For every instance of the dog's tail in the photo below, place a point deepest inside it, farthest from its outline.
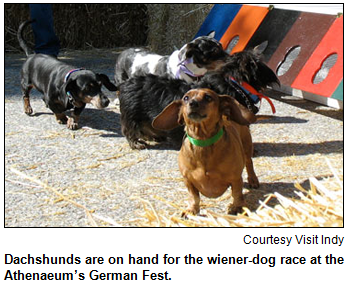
(20, 38)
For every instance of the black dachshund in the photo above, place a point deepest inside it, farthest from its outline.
(64, 87)
(142, 98)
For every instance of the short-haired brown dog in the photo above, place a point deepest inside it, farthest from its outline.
(217, 147)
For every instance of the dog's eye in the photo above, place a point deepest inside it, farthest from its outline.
(208, 98)
(186, 98)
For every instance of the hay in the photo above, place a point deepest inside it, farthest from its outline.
(320, 206)
(173, 25)
(92, 25)
(56, 192)
(163, 27)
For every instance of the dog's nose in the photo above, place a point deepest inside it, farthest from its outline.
(105, 101)
(194, 104)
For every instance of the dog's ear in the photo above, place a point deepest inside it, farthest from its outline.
(211, 34)
(259, 49)
(68, 90)
(69, 86)
(106, 82)
(236, 112)
(169, 118)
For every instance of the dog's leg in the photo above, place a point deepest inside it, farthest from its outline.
(248, 152)
(131, 132)
(26, 100)
(194, 199)
(252, 178)
(72, 123)
(61, 118)
(133, 141)
(238, 198)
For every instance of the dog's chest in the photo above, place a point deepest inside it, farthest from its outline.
(211, 176)
(210, 183)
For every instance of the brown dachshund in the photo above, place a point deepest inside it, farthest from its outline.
(217, 147)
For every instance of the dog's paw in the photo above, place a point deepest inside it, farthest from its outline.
(27, 107)
(234, 210)
(71, 124)
(28, 110)
(185, 214)
(189, 211)
(253, 182)
(138, 144)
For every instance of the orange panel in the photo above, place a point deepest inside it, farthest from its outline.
(244, 26)
(332, 43)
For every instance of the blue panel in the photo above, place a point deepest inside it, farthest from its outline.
(218, 20)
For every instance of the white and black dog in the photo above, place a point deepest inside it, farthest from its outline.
(189, 63)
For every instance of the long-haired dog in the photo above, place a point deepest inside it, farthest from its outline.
(244, 77)
(189, 63)
(217, 147)
(64, 87)
(143, 98)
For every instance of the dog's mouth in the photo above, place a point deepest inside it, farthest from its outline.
(191, 69)
(196, 116)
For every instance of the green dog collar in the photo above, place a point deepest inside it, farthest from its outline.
(207, 142)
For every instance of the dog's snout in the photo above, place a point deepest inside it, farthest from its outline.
(100, 101)
(195, 110)
(105, 101)
(193, 104)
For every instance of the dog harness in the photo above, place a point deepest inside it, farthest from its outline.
(253, 94)
(207, 142)
(70, 72)
(183, 69)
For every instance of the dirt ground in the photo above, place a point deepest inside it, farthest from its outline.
(56, 177)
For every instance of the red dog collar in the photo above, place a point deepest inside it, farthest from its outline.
(252, 90)
(70, 72)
